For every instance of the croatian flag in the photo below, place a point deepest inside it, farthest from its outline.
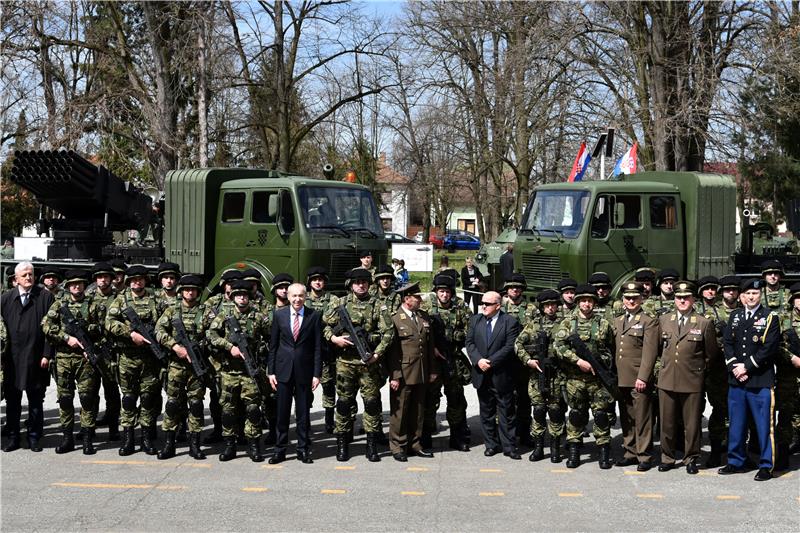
(627, 163)
(581, 163)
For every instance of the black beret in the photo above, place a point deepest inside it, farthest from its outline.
(359, 273)
(102, 268)
(364, 253)
(795, 290)
(752, 283)
(600, 279)
(119, 265)
(668, 273)
(443, 281)
(384, 271)
(772, 265)
(567, 283)
(316, 271)
(190, 280)
(729, 282)
(229, 275)
(168, 268)
(548, 296)
(251, 274)
(644, 274)
(281, 279)
(51, 272)
(136, 271)
(240, 286)
(515, 280)
(705, 281)
(585, 289)
(73, 275)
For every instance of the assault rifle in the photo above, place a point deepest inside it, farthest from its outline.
(538, 350)
(238, 337)
(358, 335)
(146, 331)
(76, 328)
(606, 374)
(200, 366)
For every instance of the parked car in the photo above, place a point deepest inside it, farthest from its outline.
(395, 238)
(461, 242)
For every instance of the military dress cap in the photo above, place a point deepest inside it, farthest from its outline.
(685, 288)
(188, 281)
(668, 273)
(585, 290)
(516, 280)
(795, 290)
(632, 289)
(359, 273)
(707, 281)
(384, 271)
(752, 284)
(240, 286)
(251, 274)
(772, 265)
(316, 272)
(281, 279)
(548, 296)
(51, 272)
(409, 289)
(136, 271)
(567, 283)
(644, 274)
(600, 279)
(168, 268)
(365, 253)
(729, 282)
(102, 268)
(75, 275)
(119, 266)
(443, 281)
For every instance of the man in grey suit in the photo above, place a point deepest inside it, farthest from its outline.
(490, 347)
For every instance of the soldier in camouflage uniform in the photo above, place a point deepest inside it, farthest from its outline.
(516, 305)
(100, 299)
(73, 368)
(351, 373)
(787, 380)
(256, 295)
(663, 302)
(365, 257)
(602, 282)
(567, 289)
(139, 370)
(773, 295)
(450, 317)
(544, 403)
(182, 384)
(167, 277)
(118, 281)
(280, 287)
(211, 308)
(236, 384)
(382, 290)
(584, 389)
(321, 300)
(50, 280)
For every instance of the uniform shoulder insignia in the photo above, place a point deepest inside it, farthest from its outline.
(561, 334)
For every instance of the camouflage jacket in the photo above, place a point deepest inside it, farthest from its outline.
(523, 311)
(789, 321)
(387, 302)
(98, 307)
(455, 319)
(321, 303)
(254, 325)
(148, 309)
(364, 313)
(596, 332)
(531, 331)
(193, 321)
(655, 306)
(777, 300)
(53, 325)
(213, 306)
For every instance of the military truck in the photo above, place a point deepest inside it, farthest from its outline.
(209, 219)
(683, 220)
(488, 257)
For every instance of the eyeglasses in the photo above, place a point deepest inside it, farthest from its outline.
(489, 303)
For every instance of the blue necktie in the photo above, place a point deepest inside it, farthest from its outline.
(488, 331)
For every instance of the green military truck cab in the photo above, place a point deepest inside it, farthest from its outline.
(682, 220)
(271, 221)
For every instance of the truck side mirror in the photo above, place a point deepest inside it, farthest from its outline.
(619, 215)
(272, 207)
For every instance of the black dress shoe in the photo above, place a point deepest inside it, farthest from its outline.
(644, 467)
(277, 458)
(400, 456)
(304, 457)
(34, 445)
(626, 461)
(12, 444)
(691, 467)
(730, 469)
(763, 474)
(513, 454)
(423, 453)
(666, 467)
(489, 452)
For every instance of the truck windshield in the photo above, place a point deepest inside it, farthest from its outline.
(339, 209)
(557, 212)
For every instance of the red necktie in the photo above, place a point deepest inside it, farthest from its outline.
(296, 326)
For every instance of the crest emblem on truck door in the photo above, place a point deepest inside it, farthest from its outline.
(262, 237)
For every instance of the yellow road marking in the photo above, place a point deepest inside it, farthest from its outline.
(570, 494)
(255, 489)
(344, 468)
(491, 494)
(650, 496)
(491, 470)
(332, 491)
(561, 471)
(412, 493)
(786, 474)
(416, 469)
(118, 486)
(633, 473)
(707, 474)
(146, 463)
(728, 497)
(272, 467)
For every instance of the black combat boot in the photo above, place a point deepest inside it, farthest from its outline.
(605, 457)
(216, 434)
(458, 439)
(230, 449)
(194, 446)
(372, 448)
(382, 439)
(342, 447)
(555, 449)
(149, 440)
(781, 458)
(794, 447)
(67, 443)
(168, 451)
(113, 427)
(349, 436)
(426, 441)
(128, 446)
(574, 458)
(254, 450)
(329, 420)
(538, 449)
(181, 436)
(715, 456)
(88, 442)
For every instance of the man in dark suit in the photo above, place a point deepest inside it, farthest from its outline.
(506, 265)
(294, 367)
(490, 347)
(25, 363)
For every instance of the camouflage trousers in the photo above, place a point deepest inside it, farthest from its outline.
(584, 393)
(350, 377)
(456, 402)
(139, 380)
(787, 403)
(239, 387)
(328, 383)
(548, 411)
(716, 385)
(182, 387)
(72, 370)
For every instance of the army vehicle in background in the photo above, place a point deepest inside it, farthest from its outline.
(209, 219)
(488, 258)
(682, 220)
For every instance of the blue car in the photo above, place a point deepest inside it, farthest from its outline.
(461, 242)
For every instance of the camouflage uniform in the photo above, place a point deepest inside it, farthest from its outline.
(584, 390)
(328, 379)
(457, 373)
(777, 300)
(716, 378)
(524, 312)
(98, 307)
(787, 381)
(388, 302)
(212, 307)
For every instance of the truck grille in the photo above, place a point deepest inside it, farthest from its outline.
(541, 270)
(340, 264)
